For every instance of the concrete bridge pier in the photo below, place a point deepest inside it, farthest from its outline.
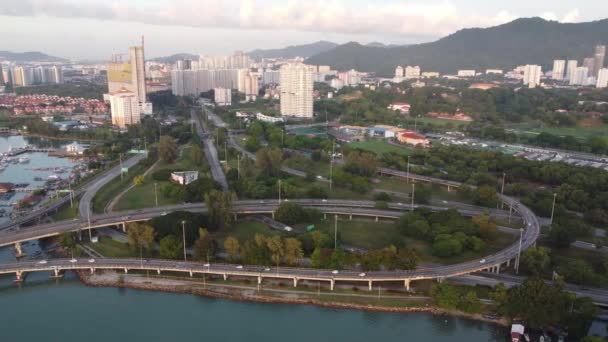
(440, 280)
(376, 218)
(449, 188)
(225, 276)
(158, 271)
(92, 270)
(126, 270)
(332, 283)
(191, 274)
(295, 282)
(350, 217)
(369, 285)
(56, 274)
(325, 216)
(19, 251)
(508, 262)
(406, 283)
(124, 227)
(19, 276)
(259, 280)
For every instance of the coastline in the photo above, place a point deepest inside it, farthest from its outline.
(156, 285)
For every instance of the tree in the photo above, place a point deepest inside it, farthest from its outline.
(486, 196)
(170, 247)
(268, 162)
(141, 236)
(204, 246)
(167, 149)
(487, 228)
(445, 296)
(561, 236)
(422, 194)
(138, 180)
(232, 246)
(293, 251)
(219, 205)
(197, 155)
(500, 297)
(67, 240)
(290, 213)
(276, 248)
(536, 260)
(470, 303)
(321, 239)
(537, 303)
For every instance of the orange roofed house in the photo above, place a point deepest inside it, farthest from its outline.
(412, 138)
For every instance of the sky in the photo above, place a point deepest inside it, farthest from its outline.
(96, 29)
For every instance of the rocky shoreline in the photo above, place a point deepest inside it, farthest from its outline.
(156, 284)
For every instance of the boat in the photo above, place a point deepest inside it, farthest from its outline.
(54, 177)
(24, 160)
(517, 331)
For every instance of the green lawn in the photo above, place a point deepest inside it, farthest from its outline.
(438, 122)
(67, 212)
(245, 230)
(107, 192)
(112, 249)
(577, 131)
(380, 147)
(359, 233)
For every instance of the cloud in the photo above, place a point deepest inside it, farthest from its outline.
(330, 16)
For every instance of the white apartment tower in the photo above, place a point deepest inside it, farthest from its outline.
(125, 108)
(602, 78)
(223, 96)
(412, 72)
(252, 87)
(138, 71)
(579, 76)
(297, 90)
(570, 69)
(399, 71)
(559, 67)
(532, 75)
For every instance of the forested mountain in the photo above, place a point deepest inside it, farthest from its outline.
(523, 41)
(176, 57)
(305, 50)
(29, 56)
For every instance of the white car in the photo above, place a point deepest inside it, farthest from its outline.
(362, 274)
(319, 177)
(91, 261)
(240, 267)
(288, 229)
(324, 200)
(482, 261)
(267, 269)
(335, 271)
(206, 265)
(43, 262)
(73, 260)
(126, 217)
(164, 213)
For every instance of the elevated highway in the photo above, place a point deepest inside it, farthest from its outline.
(210, 152)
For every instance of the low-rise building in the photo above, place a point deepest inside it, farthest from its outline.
(185, 177)
(401, 107)
(412, 138)
(267, 118)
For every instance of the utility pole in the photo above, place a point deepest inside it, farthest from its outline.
(413, 193)
(184, 238)
(407, 178)
(521, 235)
(120, 158)
(89, 219)
(416, 123)
(335, 232)
(155, 195)
(238, 167)
(553, 207)
(226, 151)
(279, 192)
(71, 195)
(331, 165)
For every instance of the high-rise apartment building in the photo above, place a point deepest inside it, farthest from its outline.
(1, 75)
(412, 72)
(271, 77)
(570, 68)
(23, 76)
(130, 75)
(602, 78)
(297, 90)
(125, 108)
(532, 75)
(399, 71)
(559, 67)
(222, 96)
(579, 76)
(600, 57)
(589, 63)
(252, 87)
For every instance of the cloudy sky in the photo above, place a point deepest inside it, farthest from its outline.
(95, 29)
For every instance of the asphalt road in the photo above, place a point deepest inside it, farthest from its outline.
(210, 152)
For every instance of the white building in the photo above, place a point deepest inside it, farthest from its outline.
(271, 77)
(494, 71)
(602, 78)
(532, 75)
(430, 74)
(350, 78)
(297, 90)
(559, 67)
(185, 177)
(570, 69)
(336, 83)
(466, 73)
(223, 96)
(252, 87)
(266, 118)
(412, 72)
(399, 72)
(579, 76)
(125, 108)
(323, 69)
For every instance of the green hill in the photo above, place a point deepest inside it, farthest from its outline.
(523, 41)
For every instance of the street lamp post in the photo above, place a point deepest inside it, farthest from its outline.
(331, 165)
(553, 207)
(407, 178)
(521, 236)
(413, 193)
(184, 238)
(335, 232)
(120, 158)
(279, 191)
(502, 190)
(89, 219)
(155, 195)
